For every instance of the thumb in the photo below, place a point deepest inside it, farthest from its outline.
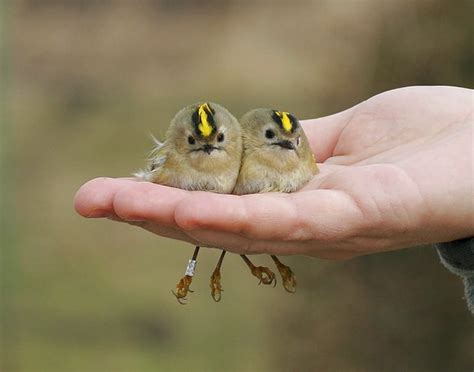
(323, 133)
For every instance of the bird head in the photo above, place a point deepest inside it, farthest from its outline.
(205, 131)
(276, 135)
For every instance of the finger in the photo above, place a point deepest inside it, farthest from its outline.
(166, 232)
(241, 245)
(325, 170)
(128, 200)
(307, 215)
(95, 198)
(141, 201)
(323, 133)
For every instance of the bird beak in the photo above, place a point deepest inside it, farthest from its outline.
(286, 145)
(208, 148)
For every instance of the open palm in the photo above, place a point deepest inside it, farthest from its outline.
(396, 171)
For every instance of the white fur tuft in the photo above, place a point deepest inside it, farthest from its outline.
(142, 175)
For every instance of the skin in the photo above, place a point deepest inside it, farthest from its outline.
(396, 171)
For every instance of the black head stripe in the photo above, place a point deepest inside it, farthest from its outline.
(208, 106)
(294, 122)
(210, 117)
(276, 118)
(195, 118)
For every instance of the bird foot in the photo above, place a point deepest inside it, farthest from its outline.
(288, 278)
(182, 289)
(215, 285)
(264, 274)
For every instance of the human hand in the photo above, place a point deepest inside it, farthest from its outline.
(396, 171)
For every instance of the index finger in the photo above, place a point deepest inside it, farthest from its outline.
(129, 200)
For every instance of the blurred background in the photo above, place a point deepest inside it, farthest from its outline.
(82, 85)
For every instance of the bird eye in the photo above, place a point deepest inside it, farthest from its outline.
(269, 134)
(191, 140)
(220, 137)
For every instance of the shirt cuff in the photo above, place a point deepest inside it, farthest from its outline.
(458, 257)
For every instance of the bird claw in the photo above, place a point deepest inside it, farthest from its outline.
(182, 289)
(288, 278)
(215, 285)
(265, 275)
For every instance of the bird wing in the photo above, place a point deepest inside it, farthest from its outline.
(156, 160)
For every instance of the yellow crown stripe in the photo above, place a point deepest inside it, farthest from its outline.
(285, 120)
(205, 127)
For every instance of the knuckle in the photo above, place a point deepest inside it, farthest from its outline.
(124, 205)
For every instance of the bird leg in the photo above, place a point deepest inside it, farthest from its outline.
(287, 276)
(216, 287)
(264, 274)
(182, 288)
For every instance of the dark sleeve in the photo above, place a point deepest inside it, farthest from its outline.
(458, 257)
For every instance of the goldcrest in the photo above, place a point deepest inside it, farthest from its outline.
(202, 151)
(277, 157)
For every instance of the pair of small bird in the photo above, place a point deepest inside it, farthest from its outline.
(207, 148)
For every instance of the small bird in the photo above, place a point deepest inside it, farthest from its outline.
(276, 158)
(202, 151)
